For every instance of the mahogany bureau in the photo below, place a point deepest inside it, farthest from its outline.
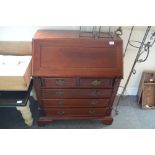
(75, 77)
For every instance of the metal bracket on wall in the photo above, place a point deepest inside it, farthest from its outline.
(143, 48)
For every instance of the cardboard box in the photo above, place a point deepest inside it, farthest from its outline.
(146, 92)
(15, 72)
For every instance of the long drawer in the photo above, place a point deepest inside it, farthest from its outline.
(75, 102)
(61, 112)
(75, 93)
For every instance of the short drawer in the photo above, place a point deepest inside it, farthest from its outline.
(62, 112)
(75, 102)
(58, 82)
(96, 83)
(75, 93)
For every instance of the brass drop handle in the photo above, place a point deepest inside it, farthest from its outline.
(59, 93)
(61, 112)
(61, 102)
(96, 82)
(92, 111)
(96, 93)
(93, 102)
(60, 82)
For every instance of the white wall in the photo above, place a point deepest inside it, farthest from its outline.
(17, 33)
(26, 33)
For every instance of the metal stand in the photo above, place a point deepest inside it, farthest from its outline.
(142, 46)
(97, 32)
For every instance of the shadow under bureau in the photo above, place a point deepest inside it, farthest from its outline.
(75, 77)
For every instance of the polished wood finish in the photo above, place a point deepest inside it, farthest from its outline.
(75, 93)
(96, 83)
(76, 82)
(78, 58)
(75, 78)
(58, 82)
(68, 34)
(75, 102)
(62, 112)
(65, 54)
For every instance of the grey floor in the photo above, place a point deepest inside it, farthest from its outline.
(130, 116)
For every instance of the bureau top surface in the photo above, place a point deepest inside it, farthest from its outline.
(69, 34)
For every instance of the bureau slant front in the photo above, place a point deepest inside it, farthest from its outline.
(76, 77)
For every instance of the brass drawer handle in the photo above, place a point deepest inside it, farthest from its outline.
(61, 112)
(96, 93)
(92, 111)
(61, 102)
(59, 93)
(60, 82)
(93, 102)
(96, 82)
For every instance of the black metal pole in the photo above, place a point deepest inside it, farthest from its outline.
(133, 66)
(128, 41)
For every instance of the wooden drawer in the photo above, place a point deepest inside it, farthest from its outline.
(96, 83)
(62, 112)
(75, 102)
(58, 82)
(75, 93)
